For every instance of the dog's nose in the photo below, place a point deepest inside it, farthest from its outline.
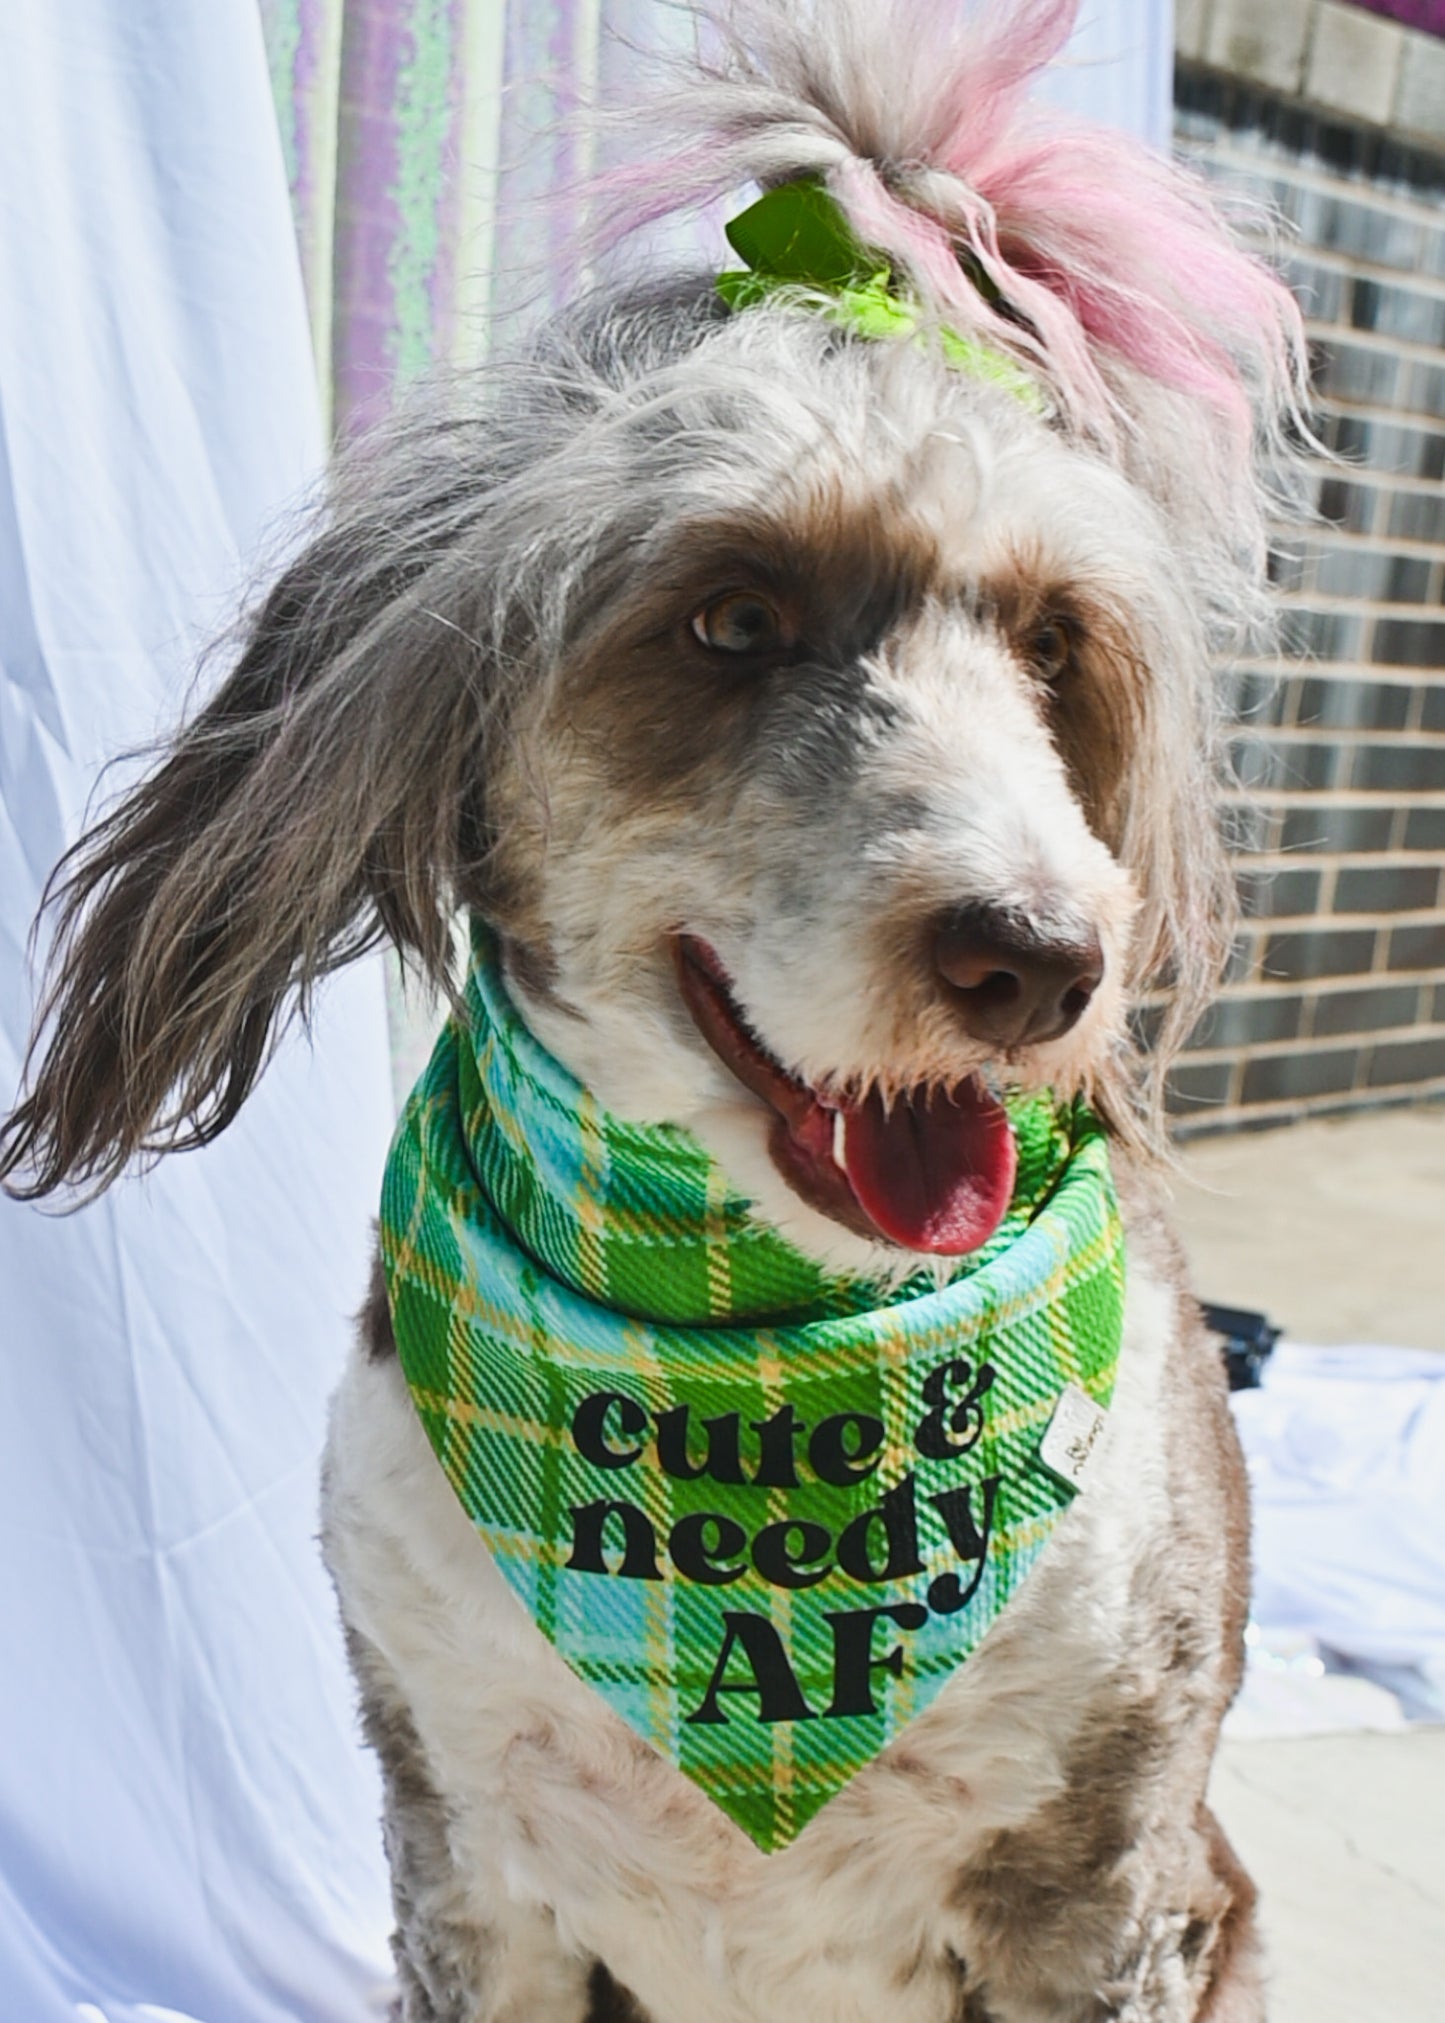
(1014, 985)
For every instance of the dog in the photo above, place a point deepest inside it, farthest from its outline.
(823, 724)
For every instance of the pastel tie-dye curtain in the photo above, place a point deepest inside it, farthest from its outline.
(422, 138)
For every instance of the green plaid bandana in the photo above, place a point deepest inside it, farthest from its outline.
(765, 1513)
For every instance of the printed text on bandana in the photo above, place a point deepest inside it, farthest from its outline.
(889, 1541)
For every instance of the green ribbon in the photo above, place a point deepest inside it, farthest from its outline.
(797, 238)
(764, 1512)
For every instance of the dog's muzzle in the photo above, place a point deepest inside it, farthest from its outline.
(1013, 986)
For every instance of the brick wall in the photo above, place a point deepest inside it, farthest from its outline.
(1426, 14)
(1337, 992)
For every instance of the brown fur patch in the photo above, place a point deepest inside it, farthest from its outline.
(442, 1956)
(663, 716)
(374, 1320)
(1091, 680)
(1070, 1902)
(1234, 1991)
(609, 2003)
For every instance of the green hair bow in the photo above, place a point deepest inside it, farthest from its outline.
(797, 237)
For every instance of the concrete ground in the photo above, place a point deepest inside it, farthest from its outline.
(1336, 1229)
(1345, 1836)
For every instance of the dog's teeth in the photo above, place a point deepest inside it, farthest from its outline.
(840, 1133)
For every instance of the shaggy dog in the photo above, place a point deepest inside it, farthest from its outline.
(818, 723)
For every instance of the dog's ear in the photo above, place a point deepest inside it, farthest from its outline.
(329, 796)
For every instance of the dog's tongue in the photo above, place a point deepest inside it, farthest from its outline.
(934, 1171)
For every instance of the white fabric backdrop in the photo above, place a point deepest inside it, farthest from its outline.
(1119, 67)
(1346, 1451)
(187, 1827)
(186, 1822)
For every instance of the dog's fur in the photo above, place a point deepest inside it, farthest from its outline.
(479, 687)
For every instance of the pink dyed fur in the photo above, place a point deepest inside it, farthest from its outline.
(1096, 245)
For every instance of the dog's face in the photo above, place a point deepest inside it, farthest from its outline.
(827, 734)
(812, 831)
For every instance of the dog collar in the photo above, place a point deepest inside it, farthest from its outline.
(764, 1512)
(799, 247)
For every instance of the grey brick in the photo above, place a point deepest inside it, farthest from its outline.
(1425, 829)
(1282, 1077)
(1350, 436)
(1357, 371)
(1364, 1011)
(1410, 642)
(1365, 298)
(1408, 581)
(1420, 93)
(1354, 572)
(1251, 828)
(1387, 888)
(1398, 769)
(1407, 514)
(1321, 635)
(1396, 311)
(1395, 241)
(1243, 959)
(1294, 958)
(1199, 1088)
(1353, 64)
(1253, 762)
(1258, 699)
(1322, 292)
(1279, 895)
(1353, 704)
(1339, 831)
(1347, 717)
(1191, 24)
(1312, 765)
(1242, 1022)
(1411, 516)
(1408, 1061)
(1352, 507)
(1264, 44)
(1397, 451)
(1259, 763)
(1345, 226)
(1190, 125)
(1425, 384)
(1287, 567)
(1417, 947)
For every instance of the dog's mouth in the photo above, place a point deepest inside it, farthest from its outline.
(932, 1170)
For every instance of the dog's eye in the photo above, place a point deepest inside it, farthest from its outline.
(1051, 648)
(741, 622)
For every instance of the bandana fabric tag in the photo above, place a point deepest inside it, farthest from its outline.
(1070, 1446)
(764, 1513)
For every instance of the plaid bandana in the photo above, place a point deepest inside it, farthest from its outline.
(764, 1512)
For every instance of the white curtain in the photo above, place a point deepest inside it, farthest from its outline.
(1119, 67)
(187, 1825)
